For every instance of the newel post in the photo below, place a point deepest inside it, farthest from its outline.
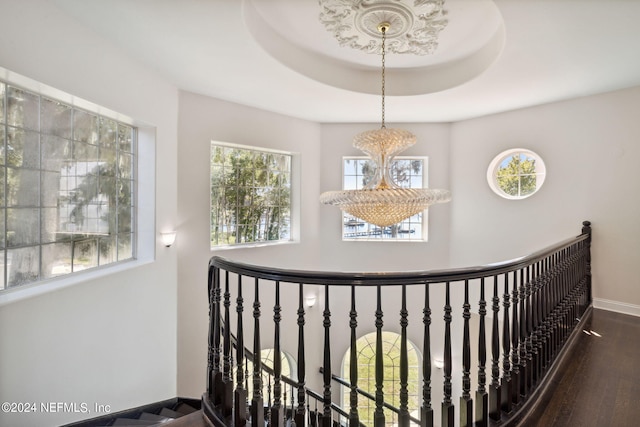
(586, 229)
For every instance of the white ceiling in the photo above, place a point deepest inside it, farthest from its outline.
(277, 56)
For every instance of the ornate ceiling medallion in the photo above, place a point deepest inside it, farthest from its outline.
(414, 24)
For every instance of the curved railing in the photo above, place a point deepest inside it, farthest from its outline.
(496, 330)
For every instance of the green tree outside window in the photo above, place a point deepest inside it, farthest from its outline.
(516, 175)
(250, 195)
(68, 188)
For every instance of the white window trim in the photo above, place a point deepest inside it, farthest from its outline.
(541, 172)
(145, 236)
(296, 177)
(344, 390)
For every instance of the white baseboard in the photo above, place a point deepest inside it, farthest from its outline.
(618, 307)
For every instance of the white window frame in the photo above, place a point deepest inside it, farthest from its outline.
(391, 341)
(144, 192)
(494, 166)
(294, 208)
(421, 237)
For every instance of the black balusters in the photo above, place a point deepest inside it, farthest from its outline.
(579, 280)
(257, 402)
(284, 404)
(378, 414)
(210, 368)
(292, 409)
(300, 412)
(506, 349)
(246, 376)
(314, 420)
(403, 416)
(547, 311)
(466, 403)
(277, 410)
(495, 388)
(447, 405)
(215, 373)
(556, 306)
(550, 310)
(558, 287)
(482, 398)
(531, 315)
(240, 395)
(515, 342)
(269, 398)
(570, 293)
(539, 335)
(566, 294)
(227, 365)
(524, 315)
(354, 417)
(325, 418)
(531, 322)
(426, 410)
(586, 229)
(573, 287)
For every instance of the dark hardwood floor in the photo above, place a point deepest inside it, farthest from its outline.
(599, 385)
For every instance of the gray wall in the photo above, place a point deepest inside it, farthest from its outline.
(590, 148)
(202, 120)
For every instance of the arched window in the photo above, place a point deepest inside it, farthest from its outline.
(287, 367)
(366, 349)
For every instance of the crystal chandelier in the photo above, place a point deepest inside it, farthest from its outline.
(382, 202)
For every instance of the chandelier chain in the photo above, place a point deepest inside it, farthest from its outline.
(384, 36)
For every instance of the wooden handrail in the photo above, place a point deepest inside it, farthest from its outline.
(389, 278)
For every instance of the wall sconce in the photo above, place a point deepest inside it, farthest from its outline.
(438, 363)
(168, 238)
(310, 300)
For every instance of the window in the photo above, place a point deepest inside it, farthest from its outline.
(366, 349)
(287, 365)
(67, 180)
(516, 174)
(250, 195)
(407, 172)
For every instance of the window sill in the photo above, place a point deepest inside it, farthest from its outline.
(23, 292)
(252, 245)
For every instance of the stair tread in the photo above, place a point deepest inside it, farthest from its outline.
(185, 408)
(155, 417)
(129, 422)
(138, 425)
(170, 413)
(194, 419)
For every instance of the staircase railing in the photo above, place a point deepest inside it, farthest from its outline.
(516, 316)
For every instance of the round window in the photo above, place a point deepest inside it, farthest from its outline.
(516, 173)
